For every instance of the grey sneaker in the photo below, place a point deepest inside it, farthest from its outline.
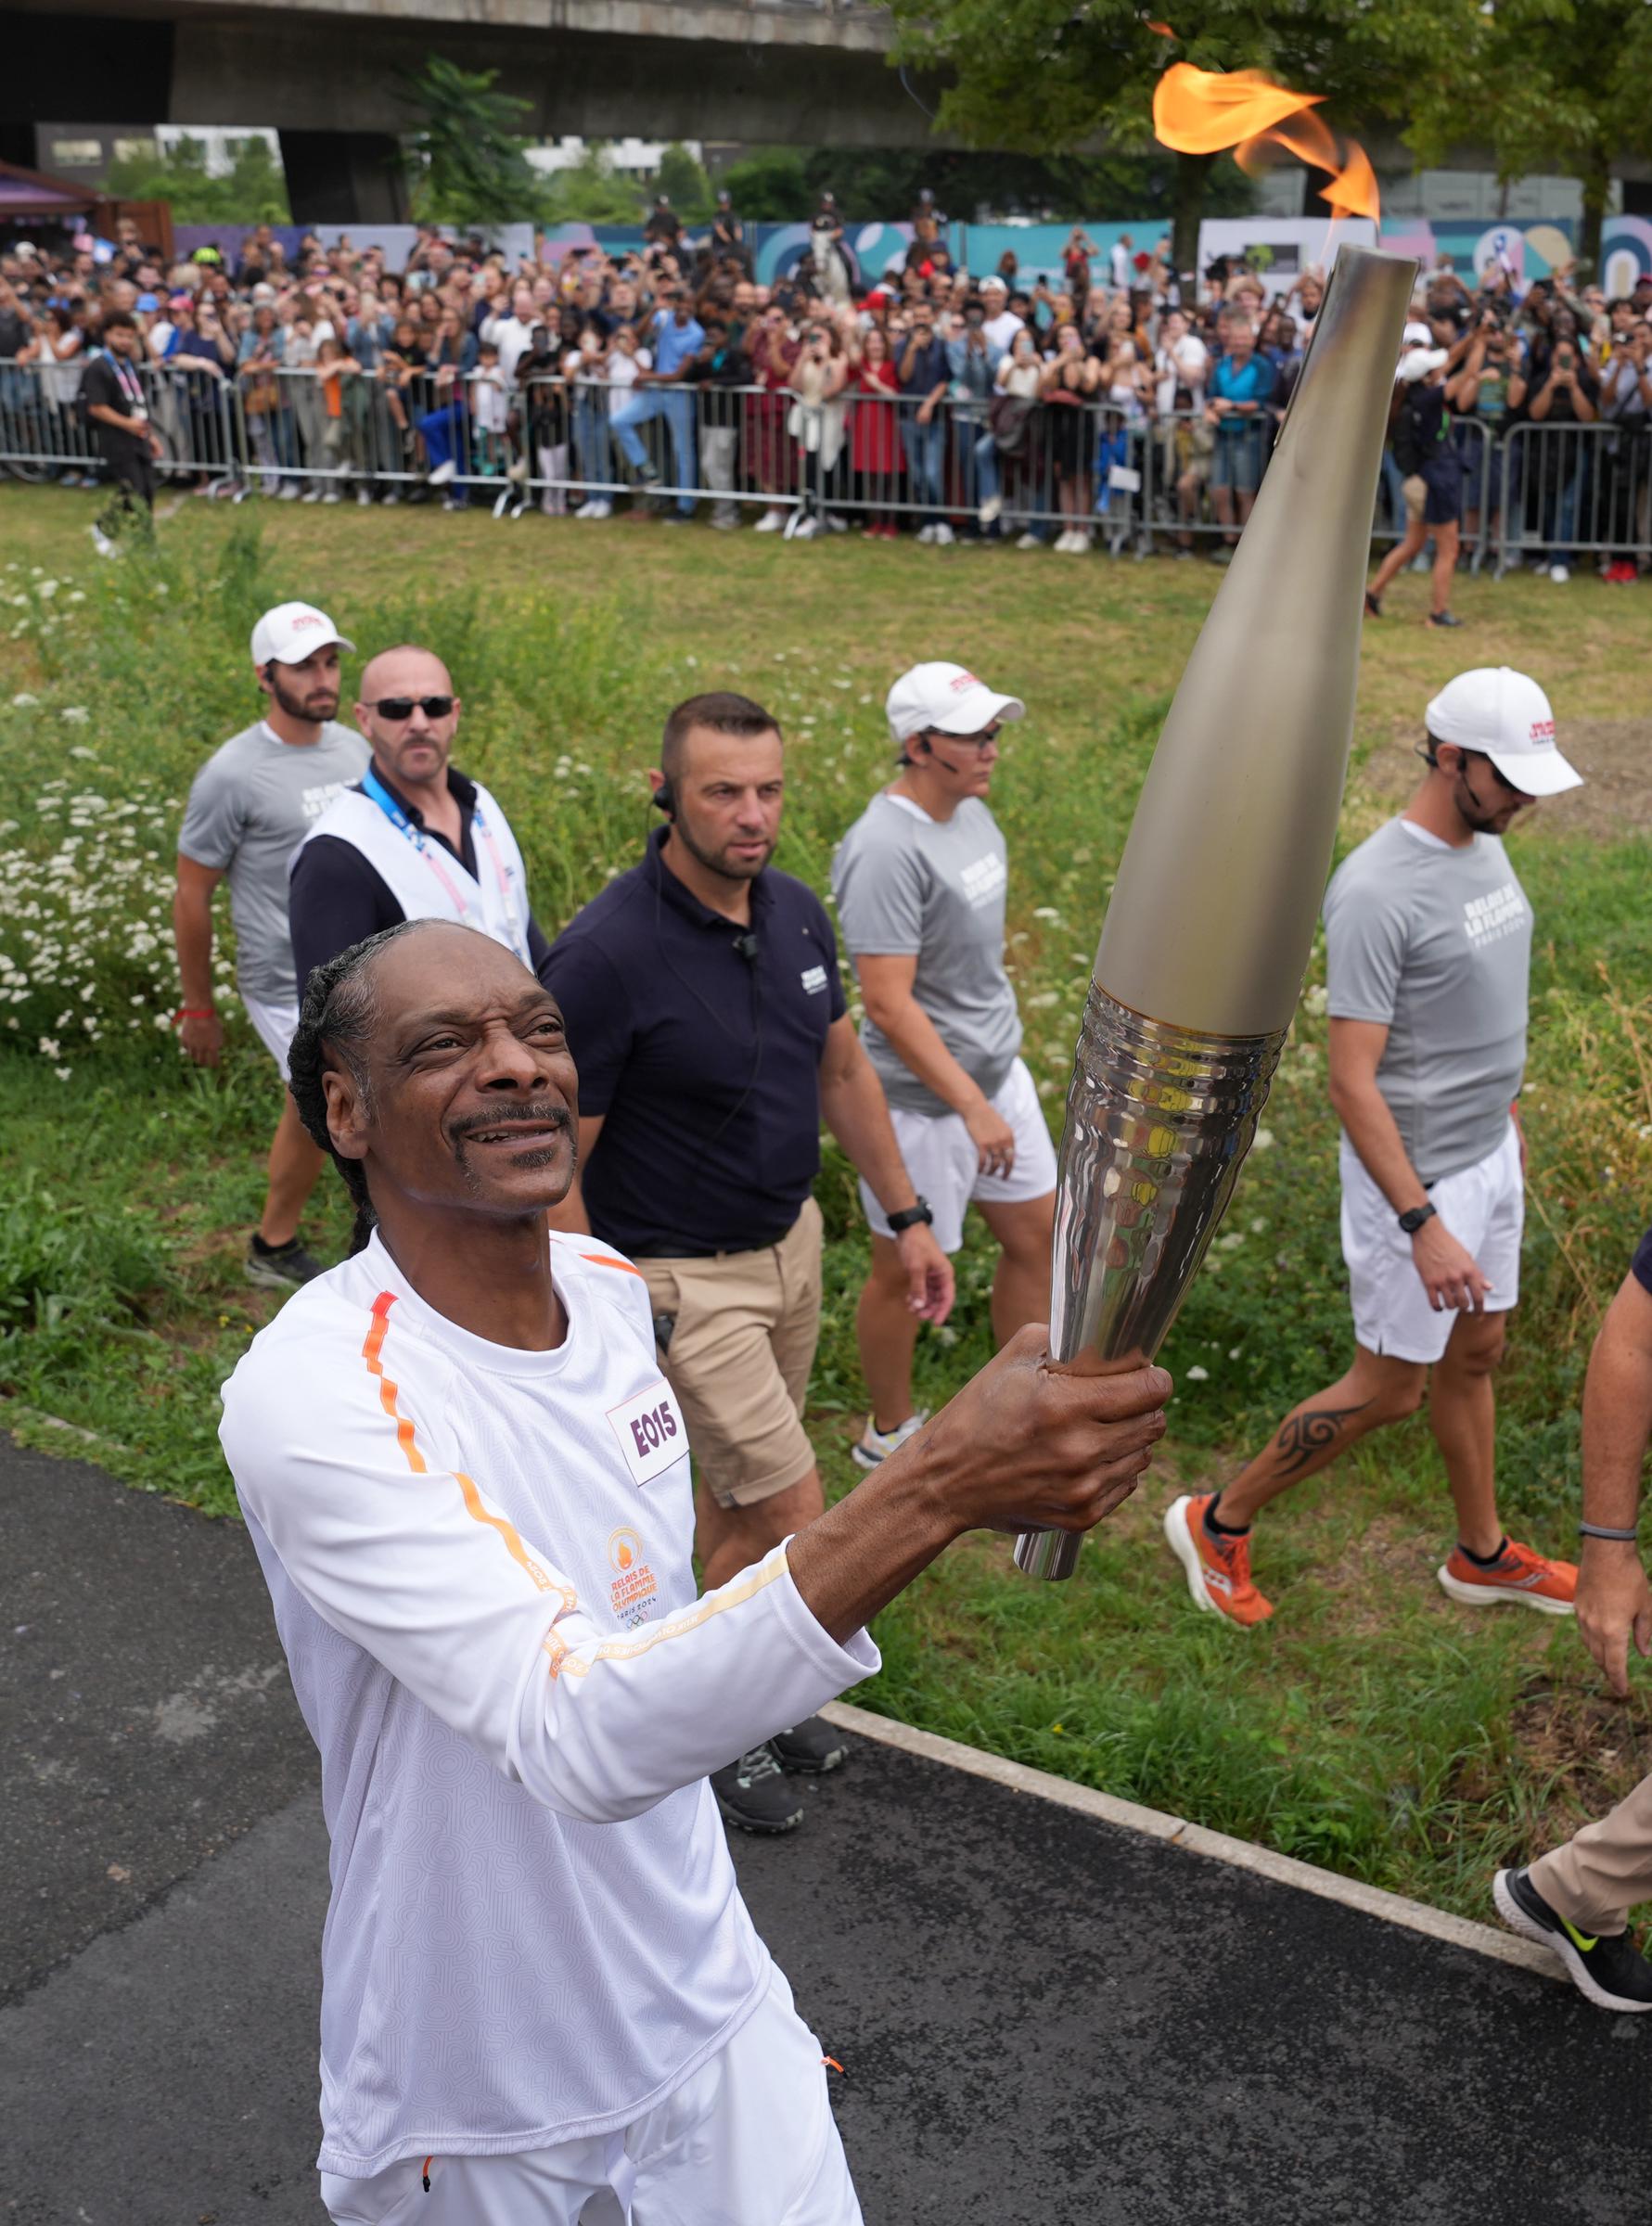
(875, 1445)
(280, 1267)
(809, 1748)
(753, 1794)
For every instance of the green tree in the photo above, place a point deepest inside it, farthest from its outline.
(252, 191)
(592, 192)
(769, 186)
(1043, 77)
(781, 184)
(685, 179)
(466, 163)
(1555, 85)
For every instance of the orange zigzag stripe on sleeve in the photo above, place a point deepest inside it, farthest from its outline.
(371, 1352)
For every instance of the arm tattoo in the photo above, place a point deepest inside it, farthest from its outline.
(1309, 1433)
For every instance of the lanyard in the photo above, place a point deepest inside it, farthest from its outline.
(373, 787)
(126, 379)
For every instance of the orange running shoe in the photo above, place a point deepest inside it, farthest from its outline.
(1218, 1569)
(1518, 1574)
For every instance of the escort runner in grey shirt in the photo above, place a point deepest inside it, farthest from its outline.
(907, 885)
(250, 806)
(1435, 942)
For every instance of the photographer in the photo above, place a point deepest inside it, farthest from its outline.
(973, 360)
(1482, 393)
(1432, 464)
(720, 370)
(816, 423)
(1626, 404)
(1564, 392)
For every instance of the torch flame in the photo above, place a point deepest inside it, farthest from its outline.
(1203, 112)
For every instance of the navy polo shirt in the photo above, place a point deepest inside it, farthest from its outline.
(704, 1064)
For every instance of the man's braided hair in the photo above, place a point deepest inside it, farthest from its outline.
(336, 1016)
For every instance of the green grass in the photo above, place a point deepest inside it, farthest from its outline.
(1372, 1726)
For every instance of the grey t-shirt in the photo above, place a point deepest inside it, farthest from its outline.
(907, 885)
(250, 808)
(1436, 943)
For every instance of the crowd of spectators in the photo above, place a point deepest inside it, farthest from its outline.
(1113, 400)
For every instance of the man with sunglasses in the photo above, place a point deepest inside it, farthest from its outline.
(415, 839)
(250, 807)
(1428, 959)
(920, 881)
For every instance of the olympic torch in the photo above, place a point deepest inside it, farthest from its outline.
(1208, 932)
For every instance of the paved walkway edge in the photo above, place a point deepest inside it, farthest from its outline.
(1243, 1854)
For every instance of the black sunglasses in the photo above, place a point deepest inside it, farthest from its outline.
(397, 707)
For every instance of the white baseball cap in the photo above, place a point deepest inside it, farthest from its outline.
(948, 699)
(1416, 363)
(1507, 717)
(292, 632)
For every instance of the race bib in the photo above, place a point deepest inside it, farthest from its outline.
(650, 1431)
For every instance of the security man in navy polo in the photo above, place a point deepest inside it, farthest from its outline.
(705, 1011)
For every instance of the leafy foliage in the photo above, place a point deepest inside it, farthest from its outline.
(683, 178)
(466, 161)
(1048, 78)
(592, 192)
(254, 191)
(780, 184)
(1554, 85)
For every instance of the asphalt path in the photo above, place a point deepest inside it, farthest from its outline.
(1040, 2016)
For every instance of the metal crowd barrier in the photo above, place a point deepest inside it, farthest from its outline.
(1022, 471)
(1567, 490)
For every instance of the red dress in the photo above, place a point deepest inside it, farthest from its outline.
(875, 430)
(770, 449)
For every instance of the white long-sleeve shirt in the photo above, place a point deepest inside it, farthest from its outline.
(479, 1563)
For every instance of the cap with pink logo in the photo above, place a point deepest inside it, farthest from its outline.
(292, 632)
(1507, 717)
(945, 699)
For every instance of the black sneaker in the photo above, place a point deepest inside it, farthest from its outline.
(280, 1267)
(808, 1748)
(752, 1793)
(1443, 619)
(1608, 1969)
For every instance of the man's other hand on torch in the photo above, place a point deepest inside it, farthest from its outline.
(1022, 1447)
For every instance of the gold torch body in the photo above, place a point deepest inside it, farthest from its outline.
(1211, 917)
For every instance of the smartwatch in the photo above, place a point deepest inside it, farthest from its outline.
(911, 1216)
(1412, 1220)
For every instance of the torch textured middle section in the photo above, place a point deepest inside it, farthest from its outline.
(1159, 1121)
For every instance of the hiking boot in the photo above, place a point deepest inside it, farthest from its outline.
(280, 1267)
(1606, 1968)
(1517, 1575)
(875, 1445)
(1218, 1569)
(753, 1794)
(809, 1748)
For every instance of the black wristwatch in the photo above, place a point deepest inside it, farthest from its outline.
(910, 1216)
(1412, 1220)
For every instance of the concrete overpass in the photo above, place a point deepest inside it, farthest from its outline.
(325, 72)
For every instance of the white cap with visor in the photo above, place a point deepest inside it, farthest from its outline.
(1505, 716)
(945, 699)
(292, 632)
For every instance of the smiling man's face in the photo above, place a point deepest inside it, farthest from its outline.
(471, 1104)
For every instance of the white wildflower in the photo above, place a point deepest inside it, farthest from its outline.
(62, 1073)
(1195, 1374)
(1264, 1140)
(22, 700)
(76, 713)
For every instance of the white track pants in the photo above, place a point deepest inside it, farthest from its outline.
(748, 2141)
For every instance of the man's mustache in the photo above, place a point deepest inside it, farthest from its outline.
(534, 1116)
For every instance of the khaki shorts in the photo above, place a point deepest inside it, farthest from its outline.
(747, 1326)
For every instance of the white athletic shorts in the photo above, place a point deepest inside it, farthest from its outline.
(750, 2138)
(275, 1024)
(1484, 1208)
(945, 1166)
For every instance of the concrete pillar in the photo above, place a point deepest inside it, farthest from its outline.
(343, 178)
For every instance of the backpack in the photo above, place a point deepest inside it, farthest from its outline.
(1410, 443)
